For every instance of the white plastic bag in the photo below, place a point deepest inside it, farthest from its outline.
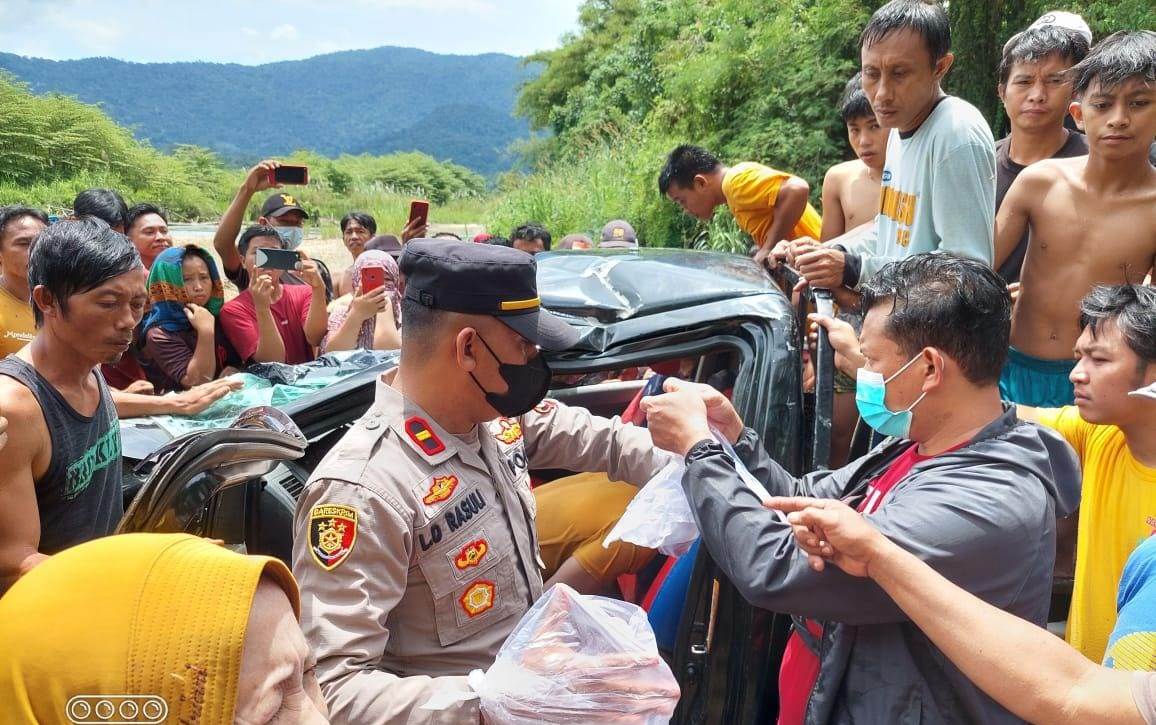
(660, 517)
(577, 658)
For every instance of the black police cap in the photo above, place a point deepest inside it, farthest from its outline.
(481, 279)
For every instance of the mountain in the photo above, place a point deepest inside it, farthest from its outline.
(453, 107)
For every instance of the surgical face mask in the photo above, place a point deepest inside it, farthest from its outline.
(870, 399)
(526, 385)
(291, 237)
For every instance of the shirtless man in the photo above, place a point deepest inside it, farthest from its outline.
(1092, 218)
(851, 199)
(851, 189)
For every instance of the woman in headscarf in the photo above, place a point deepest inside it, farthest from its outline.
(181, 344)
(368, 320)
(155, 628)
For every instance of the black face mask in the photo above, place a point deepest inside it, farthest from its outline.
(526, 385)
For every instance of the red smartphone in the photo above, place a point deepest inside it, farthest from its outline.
(372, 278)
(294, 175)
(419, 209)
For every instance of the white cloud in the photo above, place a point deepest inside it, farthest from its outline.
(473, 7)
(284, 32)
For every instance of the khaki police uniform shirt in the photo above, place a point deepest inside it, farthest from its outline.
(417, 553)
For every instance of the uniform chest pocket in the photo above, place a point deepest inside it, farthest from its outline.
(473, 586)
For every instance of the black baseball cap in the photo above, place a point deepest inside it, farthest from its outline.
(482, 279)
(278, 204)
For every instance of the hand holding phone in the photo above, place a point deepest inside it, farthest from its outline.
(419, 212)
(372, 278)
(295, 175)
(269, 258)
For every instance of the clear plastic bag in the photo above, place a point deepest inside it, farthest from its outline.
(577, 658)
(660, 517)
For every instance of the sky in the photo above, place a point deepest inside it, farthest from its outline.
(261, 31)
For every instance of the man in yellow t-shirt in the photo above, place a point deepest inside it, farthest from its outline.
(769, 205)
(1114, 435)
(19, 226)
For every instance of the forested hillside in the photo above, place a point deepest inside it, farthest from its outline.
(457, 108)
(750, 79)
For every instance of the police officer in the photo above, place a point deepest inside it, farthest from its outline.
(415, 544)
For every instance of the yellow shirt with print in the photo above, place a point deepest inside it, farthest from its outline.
(751, 190)
(1117, 513)
(17, 326)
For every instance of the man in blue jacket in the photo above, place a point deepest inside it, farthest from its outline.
(960, 482)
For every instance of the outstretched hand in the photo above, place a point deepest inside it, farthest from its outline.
(828, 530)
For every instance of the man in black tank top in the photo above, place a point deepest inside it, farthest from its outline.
(60, 483)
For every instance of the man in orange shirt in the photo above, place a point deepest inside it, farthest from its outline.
(769, 205)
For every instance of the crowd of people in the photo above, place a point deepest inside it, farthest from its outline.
(996, 331)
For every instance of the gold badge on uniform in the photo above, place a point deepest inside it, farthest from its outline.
(332, 532)
(440, 489)
(511, 431)
(471, 554)
(478, 599)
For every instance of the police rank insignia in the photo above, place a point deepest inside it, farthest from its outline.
(420, 433)
(471, 554)
(511, 431)
(478, 599)
(441, 488)
(332, 532)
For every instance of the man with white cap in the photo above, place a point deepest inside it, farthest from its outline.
(1036, 90)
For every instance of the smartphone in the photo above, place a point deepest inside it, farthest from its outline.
(419, 209)
(269, 258)
(372, 278)
(295, 175)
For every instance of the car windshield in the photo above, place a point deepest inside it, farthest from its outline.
(286, 387)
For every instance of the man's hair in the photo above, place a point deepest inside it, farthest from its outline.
(9, 214)
(361, 218)
(136, 211)
(954, 304)
(421, 324)
(1035, 44)
(257, 230)
(73, 257)
(927, 19)
(1132, 307)
(854, 104)
(104, 204)
(529, 232)
(683, 164)
(499, 241)
(1119, 57)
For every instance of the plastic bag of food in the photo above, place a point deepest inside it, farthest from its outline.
(660, 517)
(577, 658)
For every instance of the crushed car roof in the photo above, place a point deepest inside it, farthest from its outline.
(614, 285)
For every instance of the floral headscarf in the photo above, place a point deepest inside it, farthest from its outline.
(382, 260)
(167, 293)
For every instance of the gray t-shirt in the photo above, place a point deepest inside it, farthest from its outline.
(79, 497)
(938, 191)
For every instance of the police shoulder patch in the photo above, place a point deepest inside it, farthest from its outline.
(509, 431)
(420, 432)
(545, 406)
(440, 488)
(332, 534)
(478, 598)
